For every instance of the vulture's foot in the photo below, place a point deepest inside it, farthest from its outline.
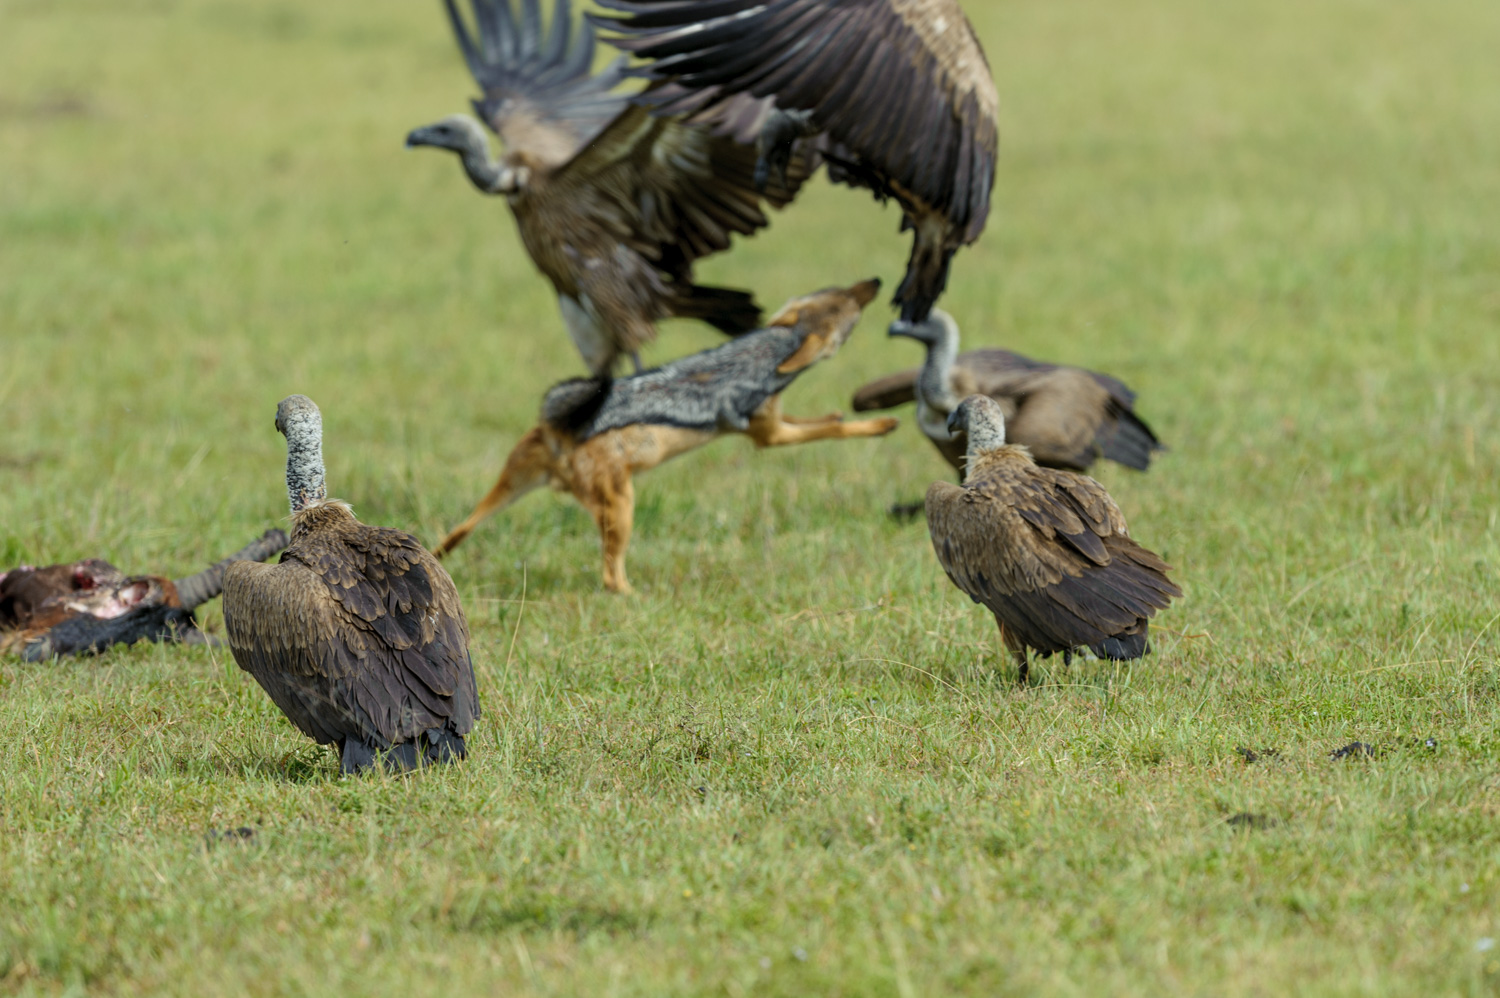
(778, 136)
(358, 757)
(906, 512)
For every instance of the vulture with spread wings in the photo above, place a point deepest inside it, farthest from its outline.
(1067, 416)
(1046, 551)
(614, 204)
(898, 93)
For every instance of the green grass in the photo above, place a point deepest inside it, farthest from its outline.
(793, 763)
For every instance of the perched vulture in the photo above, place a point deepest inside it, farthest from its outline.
(89, 606)
(1046, 550)
(1067, 416)
(897, 91)
(614, 205)
(357, 634)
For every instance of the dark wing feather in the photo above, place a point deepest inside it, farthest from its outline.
(887, 392)
(540, 95)
(673, 191)
(903, 85)
(1047, 552)
(355, 634)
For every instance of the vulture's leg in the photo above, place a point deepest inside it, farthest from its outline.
(355, 757)
(444, 746)
(774, 147)
(530, 465)
(1023, 670)
(401, 758)
(635, 358)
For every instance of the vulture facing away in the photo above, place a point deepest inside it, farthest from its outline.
(1067, 416)
(1047, 551)
(357, 634)
(898, 93)
(613, 204)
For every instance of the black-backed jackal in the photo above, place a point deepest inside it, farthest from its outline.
(594, 435)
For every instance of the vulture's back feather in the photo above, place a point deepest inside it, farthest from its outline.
(357, 634)
(1049, 554)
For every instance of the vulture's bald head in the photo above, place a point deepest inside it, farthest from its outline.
(298, 419)
(982, 419)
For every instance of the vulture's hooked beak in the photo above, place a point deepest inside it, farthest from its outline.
(955, 422)
(900, 327)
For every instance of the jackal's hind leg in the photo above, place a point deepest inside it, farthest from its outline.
(529, 466)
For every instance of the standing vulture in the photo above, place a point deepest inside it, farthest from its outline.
(898, 91)
(1067, 416)
(1046, 550)
(357, 633)
(614, 205)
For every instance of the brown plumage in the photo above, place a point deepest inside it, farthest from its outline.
(1047, 551)
(357, 634)
(898, 91)
(613, 205)
(1067, 416)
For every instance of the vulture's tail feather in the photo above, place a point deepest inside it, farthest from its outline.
(1132, 442)
(726, 309)
(570, 405)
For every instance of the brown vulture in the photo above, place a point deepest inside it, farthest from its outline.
(1067, 416)
(1045, 550)
(357, 633)
(614, 205)
(897, 91)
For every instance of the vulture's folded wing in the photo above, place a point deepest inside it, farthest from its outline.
(540, 93)
(1047, 563)
(887, 392)
(362, 639)
(674, 191)
(901, 84)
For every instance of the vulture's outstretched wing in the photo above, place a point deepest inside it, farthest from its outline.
(540, 94)
(900, 86)
(358, 636)
(1048, 553)
(672, 191)
(887, 392)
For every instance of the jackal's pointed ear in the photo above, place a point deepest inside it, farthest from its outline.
(789, 316)
(812, 350)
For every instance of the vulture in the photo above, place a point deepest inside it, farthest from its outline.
(1067, 416)
(896, 95)
(613, 204)
(357, 633)
(96, 607)
(1046, 550)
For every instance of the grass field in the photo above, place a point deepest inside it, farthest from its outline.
(793, 763)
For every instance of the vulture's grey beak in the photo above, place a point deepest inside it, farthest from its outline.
(417, 137)
(900, 327)
(955, 422)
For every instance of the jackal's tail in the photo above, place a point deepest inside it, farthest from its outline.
(726, 309)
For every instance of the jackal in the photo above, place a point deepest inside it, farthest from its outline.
(595, 434)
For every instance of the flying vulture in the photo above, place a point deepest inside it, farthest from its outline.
(1067, 416)
(357, 634)
(897, 92)
(1045, 550)
(614, 204)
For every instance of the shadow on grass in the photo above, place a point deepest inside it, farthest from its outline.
(493, 912)
(312, 765)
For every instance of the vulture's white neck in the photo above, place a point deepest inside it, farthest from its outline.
(306, 481)
(934, 384)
